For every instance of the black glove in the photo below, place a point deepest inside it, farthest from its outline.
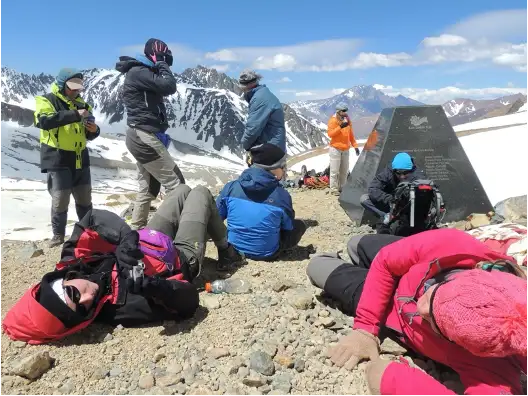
(344, 124)
(165, 57)
(357, 152)
(128, 252)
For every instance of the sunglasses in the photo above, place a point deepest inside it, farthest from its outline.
(73, 294)
(402, 172)
(343, 111)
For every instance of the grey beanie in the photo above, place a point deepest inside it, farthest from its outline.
(248, 76)
(341, 107)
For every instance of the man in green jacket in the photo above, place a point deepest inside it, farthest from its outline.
(66, 123)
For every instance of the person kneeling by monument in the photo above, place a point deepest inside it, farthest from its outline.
(260, 217)
(441, 293)
(112, 274)
(382, 190)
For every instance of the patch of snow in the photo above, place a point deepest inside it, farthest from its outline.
(510, 119)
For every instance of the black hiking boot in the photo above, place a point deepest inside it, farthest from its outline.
(57, 240)
(229, 257)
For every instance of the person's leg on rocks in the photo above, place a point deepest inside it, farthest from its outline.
(82, 191)
(363, 248)
(335, 164)
(194, 225)
(340, 280)
(60, 183)
(343, 169)
(167, 217)
(367, 203)
(290, 239)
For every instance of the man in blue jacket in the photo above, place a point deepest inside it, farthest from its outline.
(260, 217)
(265, 134)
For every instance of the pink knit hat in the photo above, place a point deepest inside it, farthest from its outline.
(485, 312)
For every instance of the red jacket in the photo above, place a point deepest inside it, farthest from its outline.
(395, 282)
(99, 233)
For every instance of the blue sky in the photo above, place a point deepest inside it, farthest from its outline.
(431, 51)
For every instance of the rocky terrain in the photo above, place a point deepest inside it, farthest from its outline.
(271, 341)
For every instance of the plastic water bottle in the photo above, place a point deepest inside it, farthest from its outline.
(231, 286)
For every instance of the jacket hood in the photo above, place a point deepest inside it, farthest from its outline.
(126, 63)
(30, 322)
(255, 179)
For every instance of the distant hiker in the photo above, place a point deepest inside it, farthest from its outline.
(66, 123)
(148, 80)
(264, 136)
(444, 295)
(115, 275)
(260, 217)
(341, 139)
(382, 188)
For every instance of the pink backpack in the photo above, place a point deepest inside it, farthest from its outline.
(160, 253)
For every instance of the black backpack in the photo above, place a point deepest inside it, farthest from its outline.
(418, 206)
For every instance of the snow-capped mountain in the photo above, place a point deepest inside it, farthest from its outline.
(463, 110)
(362, 101)
(206, 111)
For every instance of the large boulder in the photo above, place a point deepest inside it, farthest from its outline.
(513, 209)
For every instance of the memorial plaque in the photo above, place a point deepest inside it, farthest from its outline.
(426, 134)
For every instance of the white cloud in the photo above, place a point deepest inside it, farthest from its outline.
(298, 56)
(444, 40)
(479, 39)
(284, 80)
(281, 62)
(442, 95)
(493, 25)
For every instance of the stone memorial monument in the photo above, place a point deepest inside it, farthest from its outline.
(426, 134)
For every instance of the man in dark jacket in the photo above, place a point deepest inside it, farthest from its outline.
(148, 80)
(264, 136)
(382, 188)
(66, 123)
(260, 217)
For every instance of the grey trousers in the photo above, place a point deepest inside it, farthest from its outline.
(339, 163)
(61, 184)
(155, 167)
(189, 217)
(367, 203)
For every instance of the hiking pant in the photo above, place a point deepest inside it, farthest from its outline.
(189, 217)
(344, 281)
(61, 184)
(339, 162)
(377, 209)
(156, 168)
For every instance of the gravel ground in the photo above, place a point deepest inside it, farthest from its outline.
(271, 341)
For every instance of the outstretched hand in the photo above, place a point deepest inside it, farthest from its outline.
(354, 347)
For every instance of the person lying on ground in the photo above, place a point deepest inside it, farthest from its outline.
(383, 186)
(260, 217)
(443, 294)
(94, 280)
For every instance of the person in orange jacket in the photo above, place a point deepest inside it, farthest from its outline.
(341, 139)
